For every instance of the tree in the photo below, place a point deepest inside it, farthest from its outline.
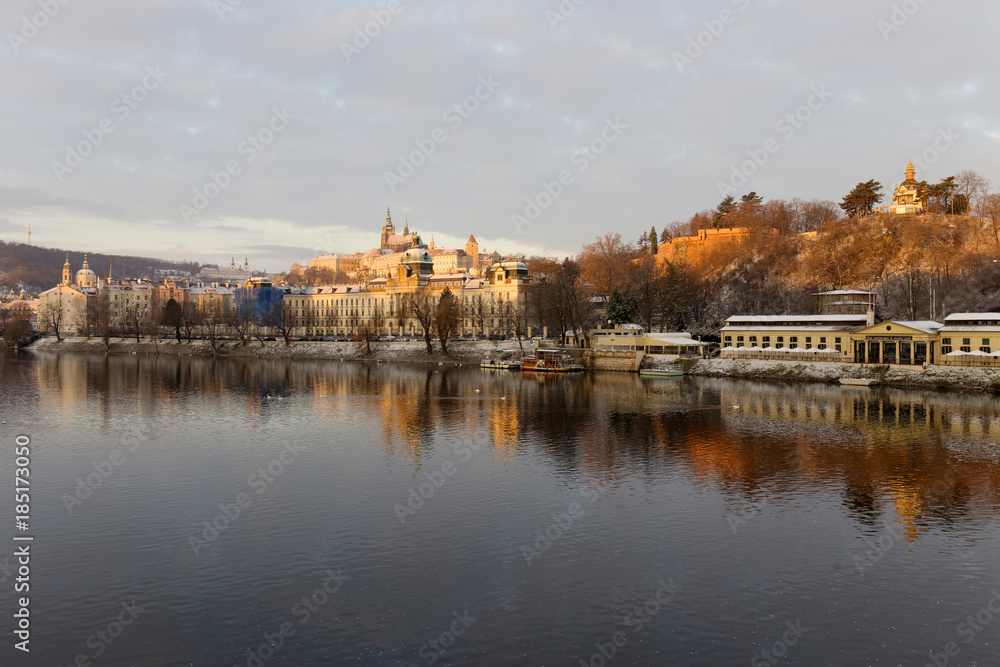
(654, 247)
(134, 315)
(646, 282)
(193, 318)
(104, 320)
(752, 199)
(974, 188)
(479, 313)
(622, 307)
(172, 317)
(423, 310)
(604, 264)
(725, 207)
(50, 316)
(286, 323)
(862, 199)
(17, 333)
(447, 315)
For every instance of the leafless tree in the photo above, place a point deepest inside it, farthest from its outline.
(422, 307)
(975, 188)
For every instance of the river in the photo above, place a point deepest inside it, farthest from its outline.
(189, 511)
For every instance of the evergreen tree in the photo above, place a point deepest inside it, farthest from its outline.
(622, 307)
(724, 207)
(862, 199)
(654, 247)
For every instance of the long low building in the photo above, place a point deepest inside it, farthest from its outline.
(793, 337)
(632, 338)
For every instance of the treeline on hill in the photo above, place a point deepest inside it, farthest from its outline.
(949, 259)
(39, 269)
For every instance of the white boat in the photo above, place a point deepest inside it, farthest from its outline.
(671, 371)
(858, 382)
(499, 365)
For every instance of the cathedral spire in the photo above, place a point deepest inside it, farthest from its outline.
(406, 225)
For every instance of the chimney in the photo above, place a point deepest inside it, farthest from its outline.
(871, 317)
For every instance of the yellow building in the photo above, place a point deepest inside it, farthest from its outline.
(386, 304)
(897, 343)
(971, 339)
(906, 198)
(791, 337)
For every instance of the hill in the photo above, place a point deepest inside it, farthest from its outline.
(38, 269)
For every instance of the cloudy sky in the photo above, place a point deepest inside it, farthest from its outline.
(459, 114)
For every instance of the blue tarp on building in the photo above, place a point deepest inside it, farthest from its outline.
(263, 303)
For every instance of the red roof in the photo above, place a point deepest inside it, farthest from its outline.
(472, 239)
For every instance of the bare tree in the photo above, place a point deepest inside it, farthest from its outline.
(51, 316)
(447, 316)
(135, 314)
(422, 307)
(104, 320)
(975, 188)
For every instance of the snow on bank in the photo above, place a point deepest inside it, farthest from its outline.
(458, 351)
(933, 377)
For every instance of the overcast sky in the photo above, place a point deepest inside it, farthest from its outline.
(619, 98)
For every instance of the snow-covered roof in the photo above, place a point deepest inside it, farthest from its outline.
(972, 317)
(793, 319)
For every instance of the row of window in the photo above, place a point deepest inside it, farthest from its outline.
(792, 341)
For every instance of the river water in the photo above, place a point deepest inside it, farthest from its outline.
(243, 512)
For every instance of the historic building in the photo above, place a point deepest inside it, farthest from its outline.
(398, 242)
(906, 198)
(386, 304)
(897, 343)
(819, 337)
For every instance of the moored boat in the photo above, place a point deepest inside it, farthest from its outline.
(550, 361)
(673, 370)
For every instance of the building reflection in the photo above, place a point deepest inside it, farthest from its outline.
(922, 458)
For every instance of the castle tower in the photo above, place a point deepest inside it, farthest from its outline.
(472, 249)
(66, 272)
(911, 173)
(387, 229)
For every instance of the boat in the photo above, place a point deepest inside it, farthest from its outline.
(550, 361)
(858, 382)
(671, 371)
(499, 365)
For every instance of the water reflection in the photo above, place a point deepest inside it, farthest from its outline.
(676, 454)
(935, 454)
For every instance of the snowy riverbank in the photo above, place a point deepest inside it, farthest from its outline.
(413, 352)
(933, 377)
